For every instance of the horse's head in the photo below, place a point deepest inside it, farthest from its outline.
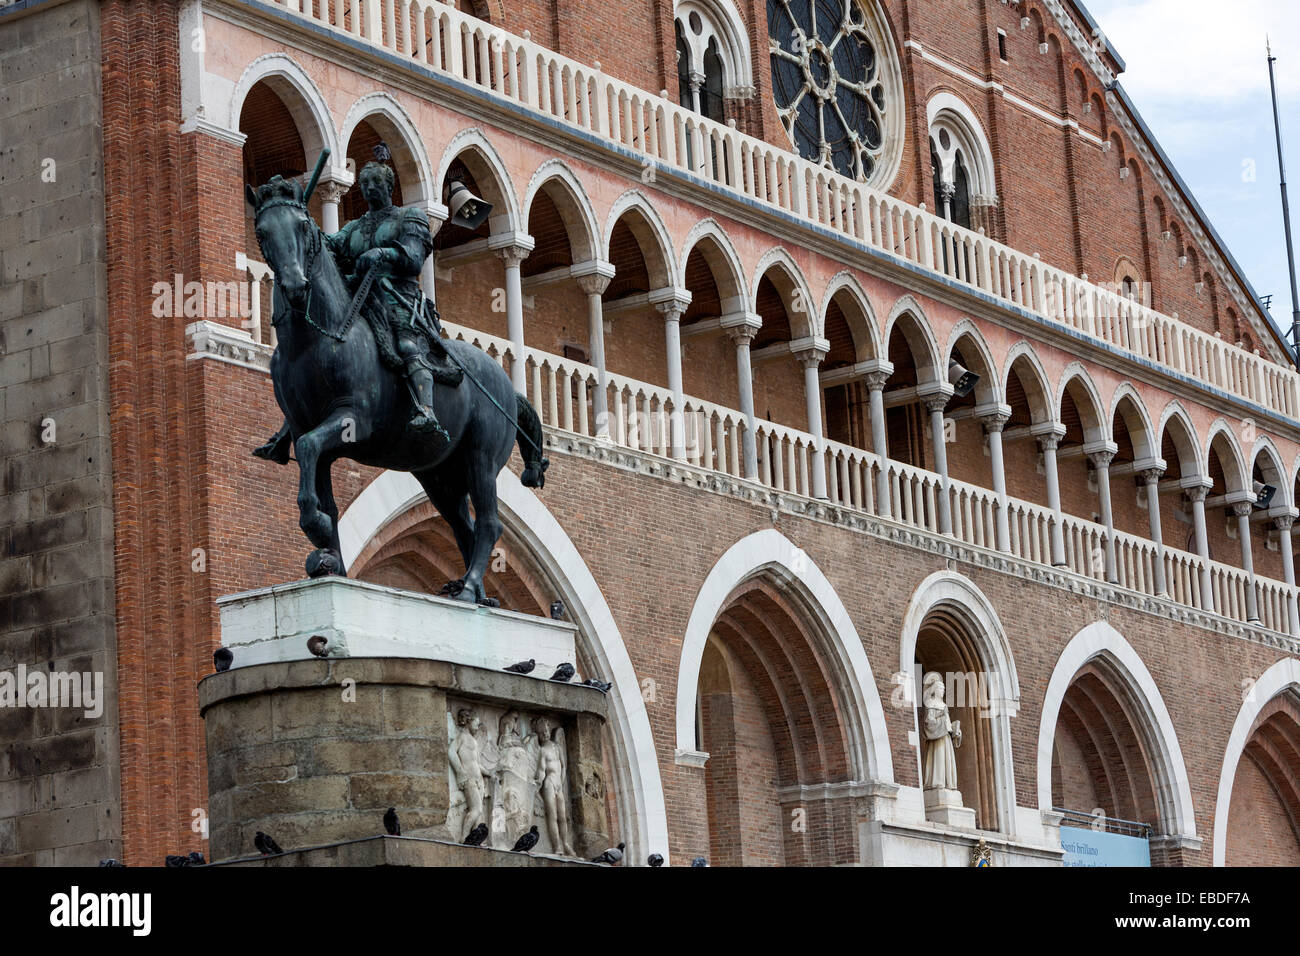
(288, 237)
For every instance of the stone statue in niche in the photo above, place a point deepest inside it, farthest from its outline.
(942, 735)
(552, 780)
(510, 770)
(472, 766)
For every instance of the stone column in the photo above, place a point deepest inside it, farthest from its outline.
(742, 331)
(936, 403)
(673, 307)
(1049, 443)
(594, 285)
(1151, 478)
(1101, 461)
(331, 188)
(810, 357)
(875, 382)
(994, 422)
(1284, 524)
(1243, 510)
(1196, 495)
(437, 213)
(513, 256)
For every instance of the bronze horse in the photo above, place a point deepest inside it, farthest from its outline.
(340, 401)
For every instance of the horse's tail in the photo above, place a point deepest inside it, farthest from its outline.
(529, 429)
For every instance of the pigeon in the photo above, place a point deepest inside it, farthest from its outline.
(611, 856)
(173, 861)
(527, 841)
(523, 667)
(477, 835)
(563, 673)
(699, 861)
(196, 859)
(111, 862)
(318, 645)
(655, 860)
(382, 152)
(265, 845)
(391, 824)
(600, 685)
(223, 657)
(557, 610)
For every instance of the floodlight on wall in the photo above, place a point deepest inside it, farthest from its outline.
(962, 379)
(1263, 494)
(467, 210)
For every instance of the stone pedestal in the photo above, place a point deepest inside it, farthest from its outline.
(944, 807)
(314, 750)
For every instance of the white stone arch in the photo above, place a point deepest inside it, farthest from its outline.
(409, 157)
(769, 550)
(777, 257)
(847, 283)
(925, 351)
(557, 171)
(1041, 407)
(1281, 678)
(657, 233)
(728, 263)
(1156, 728)
(1098, 429)
(946, 110)
(492, 175)
(1175, 411)
(722, 21)
(300, 95)
(644, 817)
(1264, 446)
(1144, 445)
(949, 590)
(988, 390)
(1236, 477)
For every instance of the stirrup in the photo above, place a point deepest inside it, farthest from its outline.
(426, 421)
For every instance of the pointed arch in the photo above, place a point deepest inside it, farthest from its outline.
(979, 359)
(723, 260)
(1024, 361)
(566, 190)
(772, 553)
(915, 327)
(1126, 402)
(392, 122)
(490, 173)
(1271, 468)
(793, 288)
(1283, 677)
(1100, 641)
(845, 288)
(946, 110)
(1177, 423)
(651, 235)
(291, 83)
(1222, 441)
(1078, 383)
(643, 816)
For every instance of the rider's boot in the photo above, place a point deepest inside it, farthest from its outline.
(421, 378)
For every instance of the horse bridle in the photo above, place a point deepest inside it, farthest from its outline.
(310, 264)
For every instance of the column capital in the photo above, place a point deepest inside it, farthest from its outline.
(993, 417)
(331, 190)
(1197, 493)
(810, 351)
(1242, 509)
(741, 326)
(876, 372)
(935, 395)
(1284, 522)
(593, 276)
(1152, 476)
(1101, 459)
(512, 248)
(671, 301)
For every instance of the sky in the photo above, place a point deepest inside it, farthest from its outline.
(1198, 73)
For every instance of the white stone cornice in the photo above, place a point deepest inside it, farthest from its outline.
(222, 343)
(197, 124)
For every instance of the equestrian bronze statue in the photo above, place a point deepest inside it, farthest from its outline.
(362, 371)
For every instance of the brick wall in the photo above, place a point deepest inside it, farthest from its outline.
(59, 790)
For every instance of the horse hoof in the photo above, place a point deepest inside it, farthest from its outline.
(323, 562)
(488, 602)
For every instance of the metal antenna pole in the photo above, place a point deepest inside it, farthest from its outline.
(1286, 215)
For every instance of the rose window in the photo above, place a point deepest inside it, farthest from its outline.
(828, 83)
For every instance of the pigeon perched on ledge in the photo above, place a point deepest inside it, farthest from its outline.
(557, 610)
(477, 835)
(564, 673)
(318, 645)
(655, 860)
(265, 845)
(523, 667)
(391, 823)
(222, 658)
(611, 856)
(699, 861)
(600, 685)
(111, 862)
(527, 841)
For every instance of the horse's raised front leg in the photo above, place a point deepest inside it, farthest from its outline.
(317, 512)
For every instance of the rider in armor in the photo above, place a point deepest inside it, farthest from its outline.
(394, 242)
